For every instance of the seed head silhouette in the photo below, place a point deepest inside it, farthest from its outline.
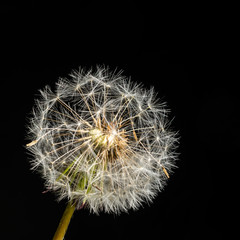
(102, 141)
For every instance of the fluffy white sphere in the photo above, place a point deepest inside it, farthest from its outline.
(102, 141)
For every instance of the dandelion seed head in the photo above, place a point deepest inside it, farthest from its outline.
(102, 141)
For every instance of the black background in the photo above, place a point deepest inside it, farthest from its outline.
(181, 51)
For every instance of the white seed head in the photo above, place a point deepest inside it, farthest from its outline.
(102, 141)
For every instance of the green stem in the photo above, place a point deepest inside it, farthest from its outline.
(64, 222)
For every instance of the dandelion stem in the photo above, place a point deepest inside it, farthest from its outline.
(64, 222)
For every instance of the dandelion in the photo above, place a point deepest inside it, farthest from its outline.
(102, 142)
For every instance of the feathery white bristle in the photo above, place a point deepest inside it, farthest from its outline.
(102, 141)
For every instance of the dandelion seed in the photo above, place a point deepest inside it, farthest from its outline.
(100, 141)
(32, 143)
